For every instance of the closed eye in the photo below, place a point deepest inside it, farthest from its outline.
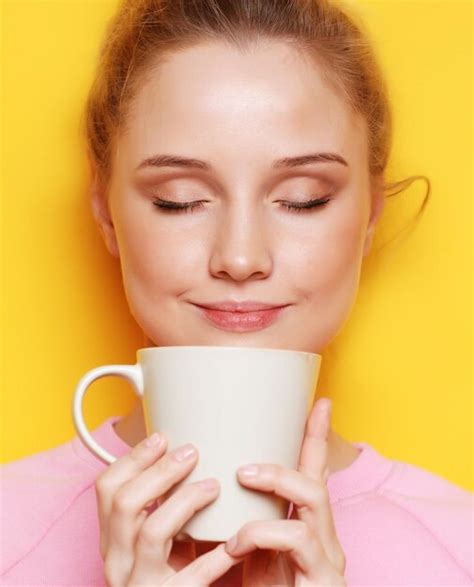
(309, 205)
(297, 207)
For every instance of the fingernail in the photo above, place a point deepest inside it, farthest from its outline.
(209, 484)
(325, 405)
(248, 470)
(153, 440)
(186, 452)
(231, 544)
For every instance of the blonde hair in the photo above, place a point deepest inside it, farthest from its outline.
(143, 32)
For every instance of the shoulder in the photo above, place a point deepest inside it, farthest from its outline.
(36, 491)
(399, 523)
(444, 509)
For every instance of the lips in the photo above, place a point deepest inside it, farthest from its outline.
(241, 321)
(243, 306)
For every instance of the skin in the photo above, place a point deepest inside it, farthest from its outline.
(239, 111)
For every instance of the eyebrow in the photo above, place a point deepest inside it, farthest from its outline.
(286, 162)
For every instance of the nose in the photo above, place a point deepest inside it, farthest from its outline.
(240, 248)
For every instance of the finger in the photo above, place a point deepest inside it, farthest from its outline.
(314, 450)
(310, 499)
(314, 464)
(127, 511)
(140, 457)
(205, 569)
(157, 532)
(290, 536)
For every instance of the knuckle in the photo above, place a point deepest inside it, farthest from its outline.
(302, 534)
(150, 535)
(103, 485)
(123, 501)
(319, 496)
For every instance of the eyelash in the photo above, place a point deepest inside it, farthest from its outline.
(172, 207)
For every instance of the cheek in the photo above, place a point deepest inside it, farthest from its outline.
(154, 259)
(324, 270)
(326, 262)
(342, 256)
(323, 254)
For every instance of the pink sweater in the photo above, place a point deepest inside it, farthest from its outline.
(398, 524)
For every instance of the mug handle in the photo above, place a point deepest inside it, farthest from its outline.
(132, 373)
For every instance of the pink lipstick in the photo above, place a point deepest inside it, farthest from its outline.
(241, 321)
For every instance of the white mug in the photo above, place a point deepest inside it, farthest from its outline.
(237, 405)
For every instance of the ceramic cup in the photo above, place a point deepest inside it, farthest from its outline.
(237, 405)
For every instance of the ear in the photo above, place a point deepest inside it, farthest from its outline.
(377, 206)
(100, 210)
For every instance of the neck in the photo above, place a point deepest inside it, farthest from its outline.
(341, 453)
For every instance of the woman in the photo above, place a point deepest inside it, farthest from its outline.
(238, 152)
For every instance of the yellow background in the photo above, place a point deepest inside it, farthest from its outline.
(400, 372)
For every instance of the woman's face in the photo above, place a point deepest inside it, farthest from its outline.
(237, 113)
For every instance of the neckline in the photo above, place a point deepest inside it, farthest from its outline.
(108, 438)
(364, 475)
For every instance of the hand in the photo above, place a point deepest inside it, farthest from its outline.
(303, 550)
(136, 540)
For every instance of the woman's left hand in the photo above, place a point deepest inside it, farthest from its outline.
(303, 550)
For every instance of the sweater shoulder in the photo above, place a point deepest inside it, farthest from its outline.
(445, 509)
(35, 491)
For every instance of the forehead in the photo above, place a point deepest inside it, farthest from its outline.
(269, 97)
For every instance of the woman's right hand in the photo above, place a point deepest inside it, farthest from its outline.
(136, 545)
